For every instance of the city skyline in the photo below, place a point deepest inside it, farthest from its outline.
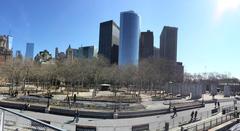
(207, 38)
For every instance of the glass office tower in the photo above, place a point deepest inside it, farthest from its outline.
(29, 51)
(129, 38)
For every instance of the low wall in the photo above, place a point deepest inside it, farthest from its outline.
(93, 114)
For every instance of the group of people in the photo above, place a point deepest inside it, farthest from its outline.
(76, 116)
(69, 100)
(217, 104)
(194, 115)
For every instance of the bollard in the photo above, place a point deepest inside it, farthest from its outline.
(115, 115)
(223, 111)
(166, 126)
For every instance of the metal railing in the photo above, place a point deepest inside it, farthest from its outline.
(14, 121)
(210, 123)
(177, 121)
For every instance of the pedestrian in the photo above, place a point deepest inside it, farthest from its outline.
(68, 101)
(76, 116)
(218, 104)
(74, 98)
(174, 112)
(25, 106)
(215, 102)
(195, 115)
(192, 114)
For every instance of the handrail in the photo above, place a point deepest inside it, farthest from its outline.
(33, 119)
(210, 120)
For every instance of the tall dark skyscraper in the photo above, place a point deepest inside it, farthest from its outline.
(29, 51)
(168, 43)
(129, 38)
(109, 40)
(56, 53)
(146, 45)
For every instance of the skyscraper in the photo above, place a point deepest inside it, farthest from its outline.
(86, 52)
(109, 40)
(146, 45)
(168, 43)
(19, 54)
(56, 53)
(29, 51)
(129, 38)
(69, 53)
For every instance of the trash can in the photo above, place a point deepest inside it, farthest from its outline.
(166, 126)
(223, 111)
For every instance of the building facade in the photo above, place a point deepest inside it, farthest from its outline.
(146, 45)
(5, 52)
(156, 52)
(168, 43)
(129, 38)
(109, 41)
(80, 53)
(56, 53)
(19, 55)
(69, 53)
(29, 51)
(86, 52)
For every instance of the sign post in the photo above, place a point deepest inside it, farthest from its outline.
(2, 121)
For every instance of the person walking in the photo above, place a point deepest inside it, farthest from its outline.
(74, 98)
(76, 116)
(218, 104)
(192, 114)
(68, 101)
(174, 112)
(195, 115)
(215, 102)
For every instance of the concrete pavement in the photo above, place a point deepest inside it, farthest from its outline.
(155, 122)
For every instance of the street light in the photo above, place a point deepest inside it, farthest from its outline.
(170, 103)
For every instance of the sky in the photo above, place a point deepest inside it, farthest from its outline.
(208, 30)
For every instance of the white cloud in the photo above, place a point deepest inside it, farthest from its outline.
(225, 6)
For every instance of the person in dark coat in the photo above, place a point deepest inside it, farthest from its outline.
(218, 104)
(174, 111)
(192, 114)
(74, 98)
(68, 101)
(195, 115)
(76, 116)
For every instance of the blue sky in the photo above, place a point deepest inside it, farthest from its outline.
(208, 35)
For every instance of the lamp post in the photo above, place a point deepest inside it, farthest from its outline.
(234, 106)
(115, 114)
(170, 103)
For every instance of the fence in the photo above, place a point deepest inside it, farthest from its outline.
(177, 121)
(13, 121)
(210, 123)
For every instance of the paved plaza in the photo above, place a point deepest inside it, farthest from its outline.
(155, 122)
